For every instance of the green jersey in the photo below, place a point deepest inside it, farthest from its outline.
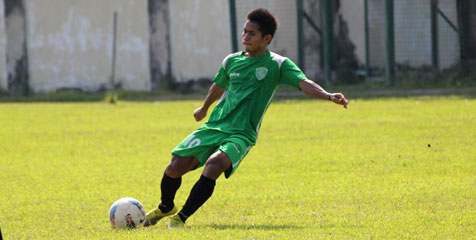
(250, 84)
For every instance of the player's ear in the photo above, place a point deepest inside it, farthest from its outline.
(268, 38)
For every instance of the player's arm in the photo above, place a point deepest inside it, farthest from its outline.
(214, 93)
(314, 90)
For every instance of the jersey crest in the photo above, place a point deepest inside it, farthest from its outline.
(261, 73)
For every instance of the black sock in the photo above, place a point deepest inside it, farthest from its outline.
(169, 187)
(201, 191)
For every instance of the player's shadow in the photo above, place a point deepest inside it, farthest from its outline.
(251, 227)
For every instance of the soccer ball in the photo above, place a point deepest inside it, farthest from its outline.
(126, 213)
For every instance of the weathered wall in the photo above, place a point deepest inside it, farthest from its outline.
(413, 33)
(3, 44)
(70, 44)
(200, 37)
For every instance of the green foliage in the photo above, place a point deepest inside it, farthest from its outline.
(3, 92)
(346, 74)
(101, 96)
(460, 75)
(424, 77)
(382, 169)
(59, 96)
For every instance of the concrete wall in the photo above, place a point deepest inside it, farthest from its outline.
(70, 44)
(3, 44)
(200, 37)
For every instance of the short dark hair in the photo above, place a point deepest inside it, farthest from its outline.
(267, 22)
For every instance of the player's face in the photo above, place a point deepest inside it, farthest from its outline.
(253, 40)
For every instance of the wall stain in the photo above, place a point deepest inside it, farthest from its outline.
(160, 57)
(16, 50)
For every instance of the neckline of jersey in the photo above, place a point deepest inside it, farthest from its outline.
(266, 54)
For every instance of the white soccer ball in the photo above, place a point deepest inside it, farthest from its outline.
(126, 213)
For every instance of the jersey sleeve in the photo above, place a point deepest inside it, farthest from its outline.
(291, 74)
(221, 78)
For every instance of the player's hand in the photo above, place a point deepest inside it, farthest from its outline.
(200, 113)
(339, 98)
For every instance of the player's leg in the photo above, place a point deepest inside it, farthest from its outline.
(227, 159)
(171, 181)
(200, 144)
(216, 164)
(178, 166)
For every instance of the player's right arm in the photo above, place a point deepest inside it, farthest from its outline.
(314, 90)
(214, 93)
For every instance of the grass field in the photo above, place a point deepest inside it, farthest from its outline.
(392, 168)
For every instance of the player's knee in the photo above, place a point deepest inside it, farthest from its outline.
(178, 166)
(219, 162)
(173, 171)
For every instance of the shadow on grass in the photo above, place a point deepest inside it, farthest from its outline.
(270, 227)
(265, 227)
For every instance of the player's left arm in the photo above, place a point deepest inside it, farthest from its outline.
(214, 93)
(314, 90)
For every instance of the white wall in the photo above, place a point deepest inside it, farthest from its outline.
(70, 44)
(3, 54)
(200, 37)
(70, 41)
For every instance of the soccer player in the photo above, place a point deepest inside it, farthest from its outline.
(245, 84)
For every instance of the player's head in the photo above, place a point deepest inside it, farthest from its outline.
(267, 22)
(259, 29)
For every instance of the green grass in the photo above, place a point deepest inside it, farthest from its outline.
(393, 168)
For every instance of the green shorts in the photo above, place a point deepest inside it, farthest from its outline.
(204, 142)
